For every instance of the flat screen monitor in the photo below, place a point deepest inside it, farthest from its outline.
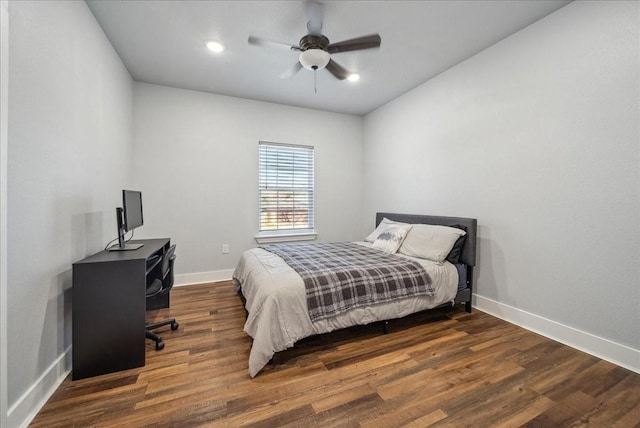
(132, 207)
(128, 217)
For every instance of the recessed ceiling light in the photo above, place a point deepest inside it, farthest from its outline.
(353, 77)
(216, 47)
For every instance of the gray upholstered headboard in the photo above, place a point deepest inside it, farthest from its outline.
(468, 255)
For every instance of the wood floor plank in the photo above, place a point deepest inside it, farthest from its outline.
(443, 368)
(426, 420)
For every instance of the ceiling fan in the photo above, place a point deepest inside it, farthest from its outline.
(316, 49)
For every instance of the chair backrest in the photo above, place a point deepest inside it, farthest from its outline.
(167, 268)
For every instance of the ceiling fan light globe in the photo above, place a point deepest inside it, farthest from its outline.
(314, 59)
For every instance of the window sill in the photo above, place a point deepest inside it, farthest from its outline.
(273, 237)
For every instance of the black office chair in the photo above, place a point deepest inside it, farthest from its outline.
(158, 286)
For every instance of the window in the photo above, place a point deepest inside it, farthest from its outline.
(285, 188)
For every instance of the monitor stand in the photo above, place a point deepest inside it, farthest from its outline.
(127, 247)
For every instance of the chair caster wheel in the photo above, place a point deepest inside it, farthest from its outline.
(174, 325)
(159, 345)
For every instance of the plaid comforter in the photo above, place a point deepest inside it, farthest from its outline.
(342, 276)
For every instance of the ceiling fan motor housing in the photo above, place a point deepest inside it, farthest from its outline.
(314, 55)
(311, 41)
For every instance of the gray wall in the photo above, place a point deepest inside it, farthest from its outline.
(4, 121)
(196, 162)
(536, 137)
(69, 145)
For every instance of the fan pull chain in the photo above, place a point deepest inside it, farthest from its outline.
(315, 87)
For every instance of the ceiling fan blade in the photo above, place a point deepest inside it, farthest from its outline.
(269, 43)
(365, 42)
(337, 70)
(292, 71)
(315, 13)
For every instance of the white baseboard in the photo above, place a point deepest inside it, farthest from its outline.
(202, 277)
(621, 355)
(29, 404)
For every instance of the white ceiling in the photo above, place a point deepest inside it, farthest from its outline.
(163, 42)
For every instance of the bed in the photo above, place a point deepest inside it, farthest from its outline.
(280, 310)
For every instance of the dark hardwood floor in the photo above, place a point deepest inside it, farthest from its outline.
(440, 368)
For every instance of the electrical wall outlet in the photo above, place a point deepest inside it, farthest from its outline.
(225, 248)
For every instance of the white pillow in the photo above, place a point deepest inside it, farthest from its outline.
(391, 238)
(381, 228)
(431, 242)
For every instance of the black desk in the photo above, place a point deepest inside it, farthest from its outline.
(109, 308)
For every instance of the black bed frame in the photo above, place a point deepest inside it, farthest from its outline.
(468, 255)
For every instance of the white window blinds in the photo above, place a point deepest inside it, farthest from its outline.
(285, 187)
